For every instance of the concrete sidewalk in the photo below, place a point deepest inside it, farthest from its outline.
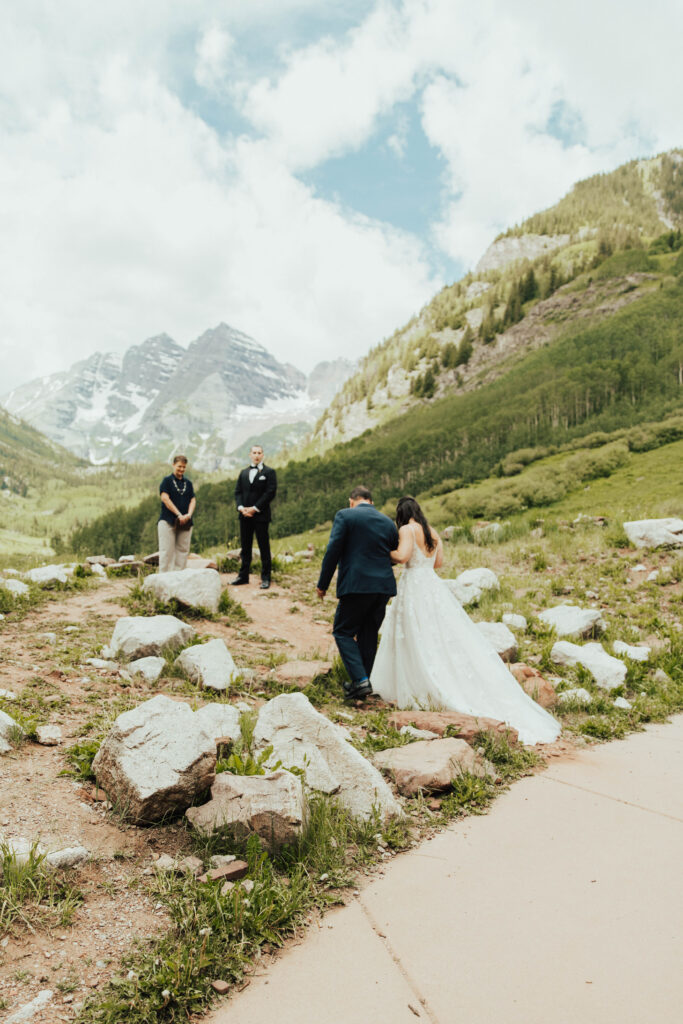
(563, 905)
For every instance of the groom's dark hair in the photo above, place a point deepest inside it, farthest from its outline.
(361, 493)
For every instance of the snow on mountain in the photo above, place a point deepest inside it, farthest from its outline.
(158, 398)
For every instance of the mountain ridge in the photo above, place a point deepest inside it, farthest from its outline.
(158, 396)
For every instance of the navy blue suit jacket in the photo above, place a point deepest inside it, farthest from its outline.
(360, 542)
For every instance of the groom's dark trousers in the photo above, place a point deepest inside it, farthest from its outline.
(359, 546)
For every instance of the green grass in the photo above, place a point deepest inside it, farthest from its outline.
(32, 894)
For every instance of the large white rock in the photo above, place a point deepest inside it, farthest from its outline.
(655, 533)
(149, 668)
(209, 664)
(570, 620)
(303, 738)
(69, 857)
(45, 575)
(607, 671)
(500, 637)
(469, 586)
(155, 760)
(15, 587)
(635, 653)
(429, 764)
(221, 721)
(7, 724)
(140, 636)
(270, 806)
(194, 588)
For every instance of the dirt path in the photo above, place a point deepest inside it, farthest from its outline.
(43, 661)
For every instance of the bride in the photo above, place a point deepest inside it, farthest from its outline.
(432, 656)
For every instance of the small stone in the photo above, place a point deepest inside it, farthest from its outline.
(247, 885)
(220, 986)
(515, 621)
(50, 638)
(231, 872)
(661, 676)
(418, 734)
(226, 887)
(49, 735)
(165, 863)
(621, 702)
(68, 857)
(219, 860)
(577, 693)
(190, 866)
(653, 576)
(635, 653)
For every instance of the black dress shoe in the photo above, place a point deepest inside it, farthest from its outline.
(238, 582)
(265, 584)
(359, 691)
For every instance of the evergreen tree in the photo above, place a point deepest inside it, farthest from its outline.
(465, 347)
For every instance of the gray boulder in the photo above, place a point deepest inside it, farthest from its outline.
(570, 620)
(140, 636)
(514, 621)
(635, 653)
(577, 693)
(500, 637)
(221, 721)
(210, 665)
(429, 764)
(607, 671)
(15, 587)
(149, 668)
(194, 588)
(469, 586)
(303, 738)
(49, 735)
(270, 806)
(155, 760)
(655, 533)
(7, 724)
(47, 575)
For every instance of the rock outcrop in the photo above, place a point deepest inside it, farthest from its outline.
(270, 806)
(210, 665)
(429, 764)
(193, 588)
(469, 586)
(608, 672)
(570, 620)
(140, 636)
(303, 738)
(500, 637)
(155, 760)
(655, 533)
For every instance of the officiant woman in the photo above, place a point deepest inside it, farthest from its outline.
(175, 522)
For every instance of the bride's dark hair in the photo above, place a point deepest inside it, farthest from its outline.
(408, 509)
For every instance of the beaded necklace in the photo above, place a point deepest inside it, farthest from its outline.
(178, 489)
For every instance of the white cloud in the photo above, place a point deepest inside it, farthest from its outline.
(122, 213)
(213, 51)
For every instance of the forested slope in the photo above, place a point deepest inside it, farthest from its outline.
(617, 371)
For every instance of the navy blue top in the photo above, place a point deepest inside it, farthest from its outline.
(180, 492)
(360, 542)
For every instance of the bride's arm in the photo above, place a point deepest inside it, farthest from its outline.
(406, 539)
(438, 561)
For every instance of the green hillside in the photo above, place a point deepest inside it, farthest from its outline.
(580, 336)
(623, 370)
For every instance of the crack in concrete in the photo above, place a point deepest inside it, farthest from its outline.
(405, 974)
(608, 796)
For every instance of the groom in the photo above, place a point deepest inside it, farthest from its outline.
(255, 489)
(360, 544)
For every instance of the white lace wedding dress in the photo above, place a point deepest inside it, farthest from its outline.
(432, 656)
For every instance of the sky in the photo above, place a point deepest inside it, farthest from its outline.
(310, 172)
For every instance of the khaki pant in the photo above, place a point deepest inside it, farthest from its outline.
(174, 546)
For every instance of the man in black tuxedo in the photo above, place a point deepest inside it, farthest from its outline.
(256, 487)
(360, 543)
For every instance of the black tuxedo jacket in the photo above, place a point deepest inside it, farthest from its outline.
(260, 493)
(359, 544)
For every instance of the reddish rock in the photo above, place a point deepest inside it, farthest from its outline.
(237, 869)
(464, 727)
(533, 683)
(220, 986)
